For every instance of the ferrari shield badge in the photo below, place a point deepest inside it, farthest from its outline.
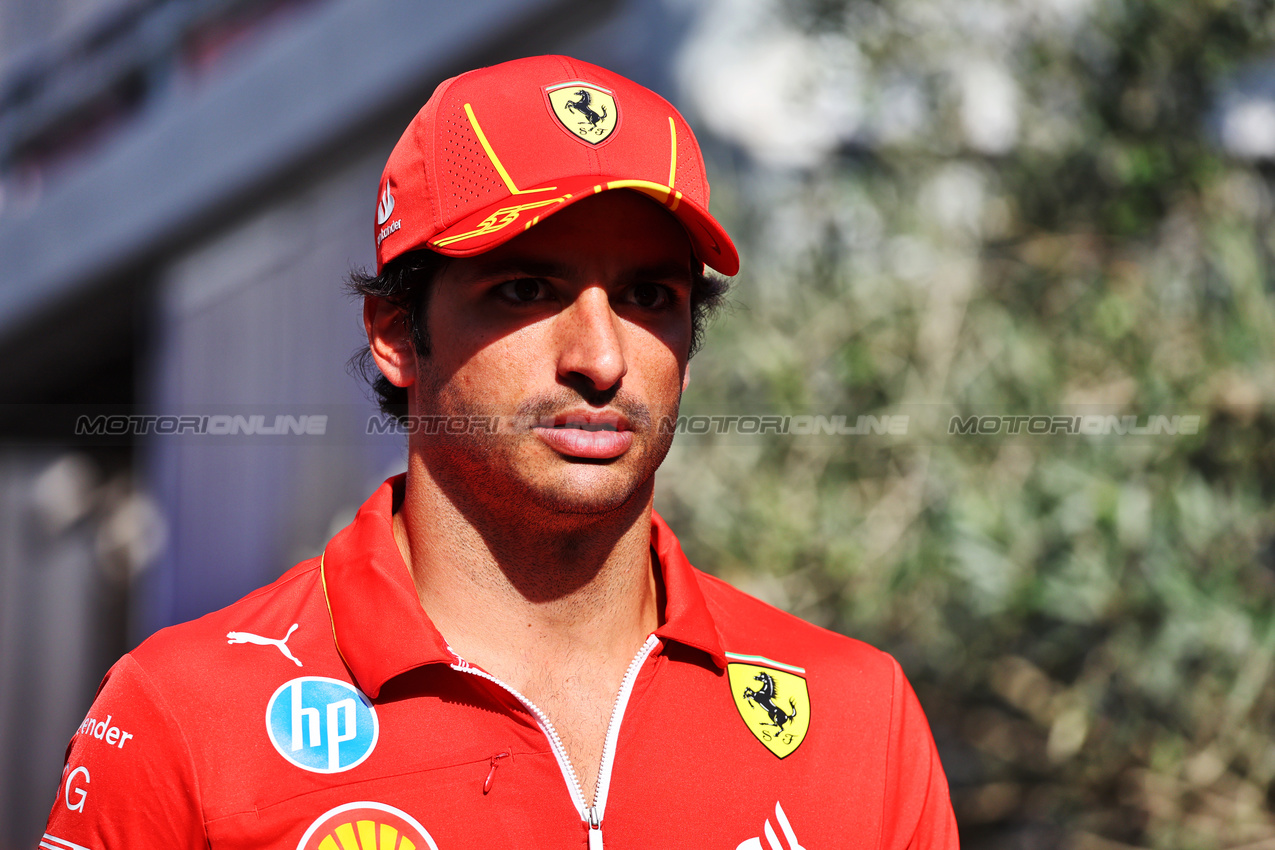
(587, 111)
(772, 699)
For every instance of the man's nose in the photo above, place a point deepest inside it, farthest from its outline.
(590, 344)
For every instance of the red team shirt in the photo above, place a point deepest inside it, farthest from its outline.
(325, 712)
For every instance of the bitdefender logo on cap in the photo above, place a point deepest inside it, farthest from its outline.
(587, 111)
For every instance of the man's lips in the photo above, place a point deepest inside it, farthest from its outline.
(596, 435)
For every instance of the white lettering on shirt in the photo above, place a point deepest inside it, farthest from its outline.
(102, 730)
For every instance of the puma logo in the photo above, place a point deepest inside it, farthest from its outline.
(280, 643)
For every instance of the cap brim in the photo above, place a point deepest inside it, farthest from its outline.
(497, 224)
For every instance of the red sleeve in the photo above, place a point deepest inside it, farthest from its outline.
(918, 806)
(128, 780)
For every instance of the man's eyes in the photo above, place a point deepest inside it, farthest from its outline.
(524, 290)
(650, 296)
(528, 290)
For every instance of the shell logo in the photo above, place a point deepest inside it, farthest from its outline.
(366, 826)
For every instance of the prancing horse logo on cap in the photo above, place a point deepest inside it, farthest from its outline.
(586, 111)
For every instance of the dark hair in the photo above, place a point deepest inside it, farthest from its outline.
(406, 281)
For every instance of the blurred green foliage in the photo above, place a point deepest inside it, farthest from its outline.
(1088, 620)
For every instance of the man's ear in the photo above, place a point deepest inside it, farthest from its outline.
(388, 340)
(686, 377)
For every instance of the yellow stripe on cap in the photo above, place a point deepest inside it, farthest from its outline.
(495, 160)
(499, 220)
(672, 159)
(666, 195)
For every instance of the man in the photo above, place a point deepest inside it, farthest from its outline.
(507, 647)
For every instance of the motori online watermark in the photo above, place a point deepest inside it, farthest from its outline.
(800, 425)
(1092, 425)
(745, 424)
(920, 423)
(215, 425)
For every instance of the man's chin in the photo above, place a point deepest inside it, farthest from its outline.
(524, 478)
(589, 488)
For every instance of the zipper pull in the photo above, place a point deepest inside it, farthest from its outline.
(595, 828)
(492, 773)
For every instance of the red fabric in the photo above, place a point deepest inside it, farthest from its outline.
(199, 768)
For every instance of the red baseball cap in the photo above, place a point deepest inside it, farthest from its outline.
(498, 149)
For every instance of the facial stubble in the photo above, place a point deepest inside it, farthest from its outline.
(508, 472)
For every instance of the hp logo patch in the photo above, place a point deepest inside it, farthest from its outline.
(322, 725)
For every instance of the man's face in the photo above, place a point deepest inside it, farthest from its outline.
(581, 328)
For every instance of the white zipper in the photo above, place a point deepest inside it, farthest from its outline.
(590, 815)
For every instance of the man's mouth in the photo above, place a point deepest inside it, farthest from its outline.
(589, 420)
(592, 435)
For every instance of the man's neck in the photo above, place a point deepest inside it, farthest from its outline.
(530, 594)
(554, 606)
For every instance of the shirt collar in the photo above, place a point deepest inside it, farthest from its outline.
(686, 616)
(377, 620)
(381, 630)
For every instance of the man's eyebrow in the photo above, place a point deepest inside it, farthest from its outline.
(525, 267)
(661, 271)
(529, 267)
